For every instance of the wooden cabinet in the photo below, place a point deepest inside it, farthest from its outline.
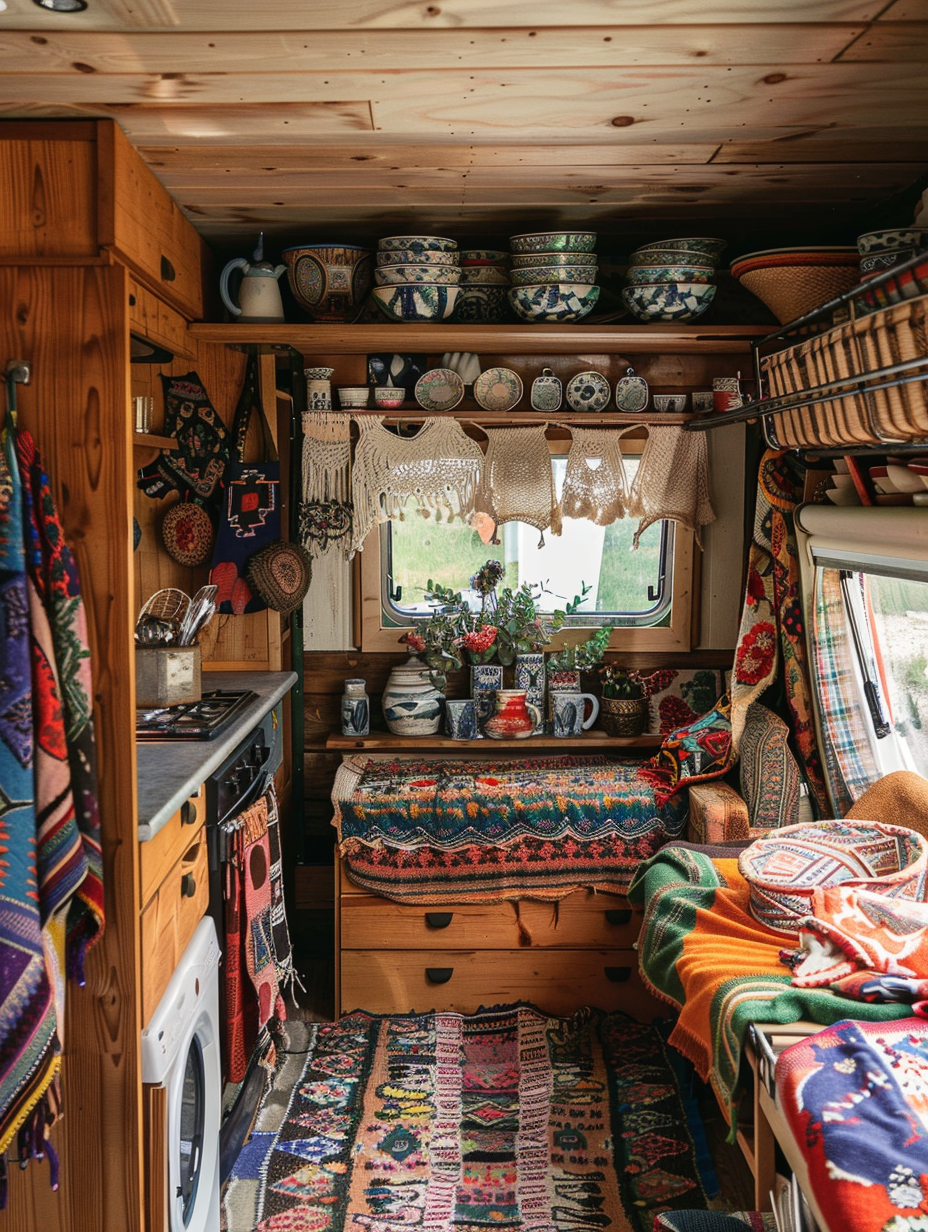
(396, 958)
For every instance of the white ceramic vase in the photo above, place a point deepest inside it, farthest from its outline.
(412, 706)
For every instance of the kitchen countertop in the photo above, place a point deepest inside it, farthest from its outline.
(170, 771)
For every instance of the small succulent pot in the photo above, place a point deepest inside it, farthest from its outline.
(624, 716)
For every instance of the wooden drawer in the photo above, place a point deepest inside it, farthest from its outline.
(158, 856)
(557, 981)
(582, 920)
(155, 321)
(169, 920)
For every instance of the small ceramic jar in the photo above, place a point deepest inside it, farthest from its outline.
(356, 709)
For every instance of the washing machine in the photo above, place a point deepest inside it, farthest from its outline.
(180, 1052)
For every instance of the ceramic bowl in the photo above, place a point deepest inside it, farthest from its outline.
(484, 256)
(554, 241)
(669, 273)
(553, 302)
(553, 273)
(708, 247)
(669, 404)
(439, 389)
(330, 281)
(353, 395)
(531, 260)
(588, 391)
(408, 256)
(417, 301)
(669, 301)
(389, 395)
(417, 243)
(890, 241)
(499, 389)
(484, 275)
(482, 304)
(394, 275)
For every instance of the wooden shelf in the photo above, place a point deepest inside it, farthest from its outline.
(470, 411)
(589, 742)
(486, 339)
(148, 440)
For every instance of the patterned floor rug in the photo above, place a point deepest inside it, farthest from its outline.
(505, 1119)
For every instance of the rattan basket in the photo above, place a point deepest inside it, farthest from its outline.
(624, 716)
(868, 417)
(790, 291)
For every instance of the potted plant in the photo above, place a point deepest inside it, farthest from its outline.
(624, 704)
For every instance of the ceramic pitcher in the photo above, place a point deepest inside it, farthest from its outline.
(514, 718)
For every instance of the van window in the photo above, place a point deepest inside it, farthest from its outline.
(616, 584)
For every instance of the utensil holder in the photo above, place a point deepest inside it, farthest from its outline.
(167, 675)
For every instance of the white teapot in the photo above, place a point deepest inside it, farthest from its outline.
(258, 293)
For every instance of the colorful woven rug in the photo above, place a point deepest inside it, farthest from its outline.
(505, 1119)
(441, 831)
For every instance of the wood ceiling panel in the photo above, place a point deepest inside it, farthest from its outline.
(485, 50)
(237, 15)
(832, 145)
(272, 122)
(891, 42)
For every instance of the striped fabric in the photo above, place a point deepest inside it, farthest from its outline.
(850, 767)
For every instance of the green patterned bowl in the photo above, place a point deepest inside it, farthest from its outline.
(554, 303)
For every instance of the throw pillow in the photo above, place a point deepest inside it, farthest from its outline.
(770, 775)
(692, 754)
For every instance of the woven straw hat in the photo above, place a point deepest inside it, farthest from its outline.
(280, 574)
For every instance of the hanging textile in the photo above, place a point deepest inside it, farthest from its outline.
(518, 480)
(54, 575)
(772, 636)
(850, 766)
(326, 512)
(672, 482)
(438, 469)
(196, 467)
(599, 493)
(29, 1047)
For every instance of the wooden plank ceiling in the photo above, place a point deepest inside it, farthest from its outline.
(349, 119)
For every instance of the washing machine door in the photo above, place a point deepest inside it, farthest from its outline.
(194, 1120)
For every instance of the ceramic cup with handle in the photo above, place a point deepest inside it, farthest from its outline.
(568, 710)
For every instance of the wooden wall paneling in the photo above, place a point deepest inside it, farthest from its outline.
(521, 46)
(455, 15)
(76, 407)
(39, 175)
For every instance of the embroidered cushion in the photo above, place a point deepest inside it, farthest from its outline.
(783, 868)
(770, 776)
(693, 753)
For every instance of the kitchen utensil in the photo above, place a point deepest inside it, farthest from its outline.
(201, 610)
(169, 605)
(150, 631)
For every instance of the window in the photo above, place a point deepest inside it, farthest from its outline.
(644, 590)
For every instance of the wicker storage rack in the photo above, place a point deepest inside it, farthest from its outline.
(873, 407)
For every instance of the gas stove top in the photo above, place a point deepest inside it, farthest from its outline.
(202, 720)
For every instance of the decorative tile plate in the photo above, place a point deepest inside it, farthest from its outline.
(497, 389)
(631, 392)
(441, 389)
(588, 391)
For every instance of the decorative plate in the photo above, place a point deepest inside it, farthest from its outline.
(497, 389)
(631, 392)
(588, 391)
(440, 389)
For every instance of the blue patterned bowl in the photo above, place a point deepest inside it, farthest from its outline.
(410, 256)
(554, 241)
(669, 273)
(700, 245)
(482, 304)
(553, 273)
(669, 301)
(417, 243)
(395, 275)
(417, 301)
(531, 260)
(554, 302)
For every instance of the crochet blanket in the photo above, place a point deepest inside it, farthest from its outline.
(856, 1100)
(701, 950)
(446, 831)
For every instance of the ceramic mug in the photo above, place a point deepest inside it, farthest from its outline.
(461, 719)
(726, 393)
(703, 400)
(568, 711)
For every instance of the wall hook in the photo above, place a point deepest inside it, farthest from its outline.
(18, 372)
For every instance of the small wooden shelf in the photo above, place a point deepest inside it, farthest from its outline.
(471, 412)
(589, 742)
(486, 339)
(148, 440)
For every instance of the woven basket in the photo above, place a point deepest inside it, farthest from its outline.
(870, 417)
(624, 716)
(790, 291)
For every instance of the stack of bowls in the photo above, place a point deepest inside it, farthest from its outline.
(417, 277)
(484, 298)
(672, 280)
(794, 281)
(882, 250)
(553, 275)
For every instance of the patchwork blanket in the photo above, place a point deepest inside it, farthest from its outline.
(701, 950)
(856, 1100)
(443, 831)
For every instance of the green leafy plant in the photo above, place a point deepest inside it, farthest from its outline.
(437, 640)
(620, 682)
(581, 656)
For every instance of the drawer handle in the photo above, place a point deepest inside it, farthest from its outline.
(439, 919)
(439, 975)
(188, 885)
(617, 975)
(168, 273)
(620, 916)
(188, 813)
